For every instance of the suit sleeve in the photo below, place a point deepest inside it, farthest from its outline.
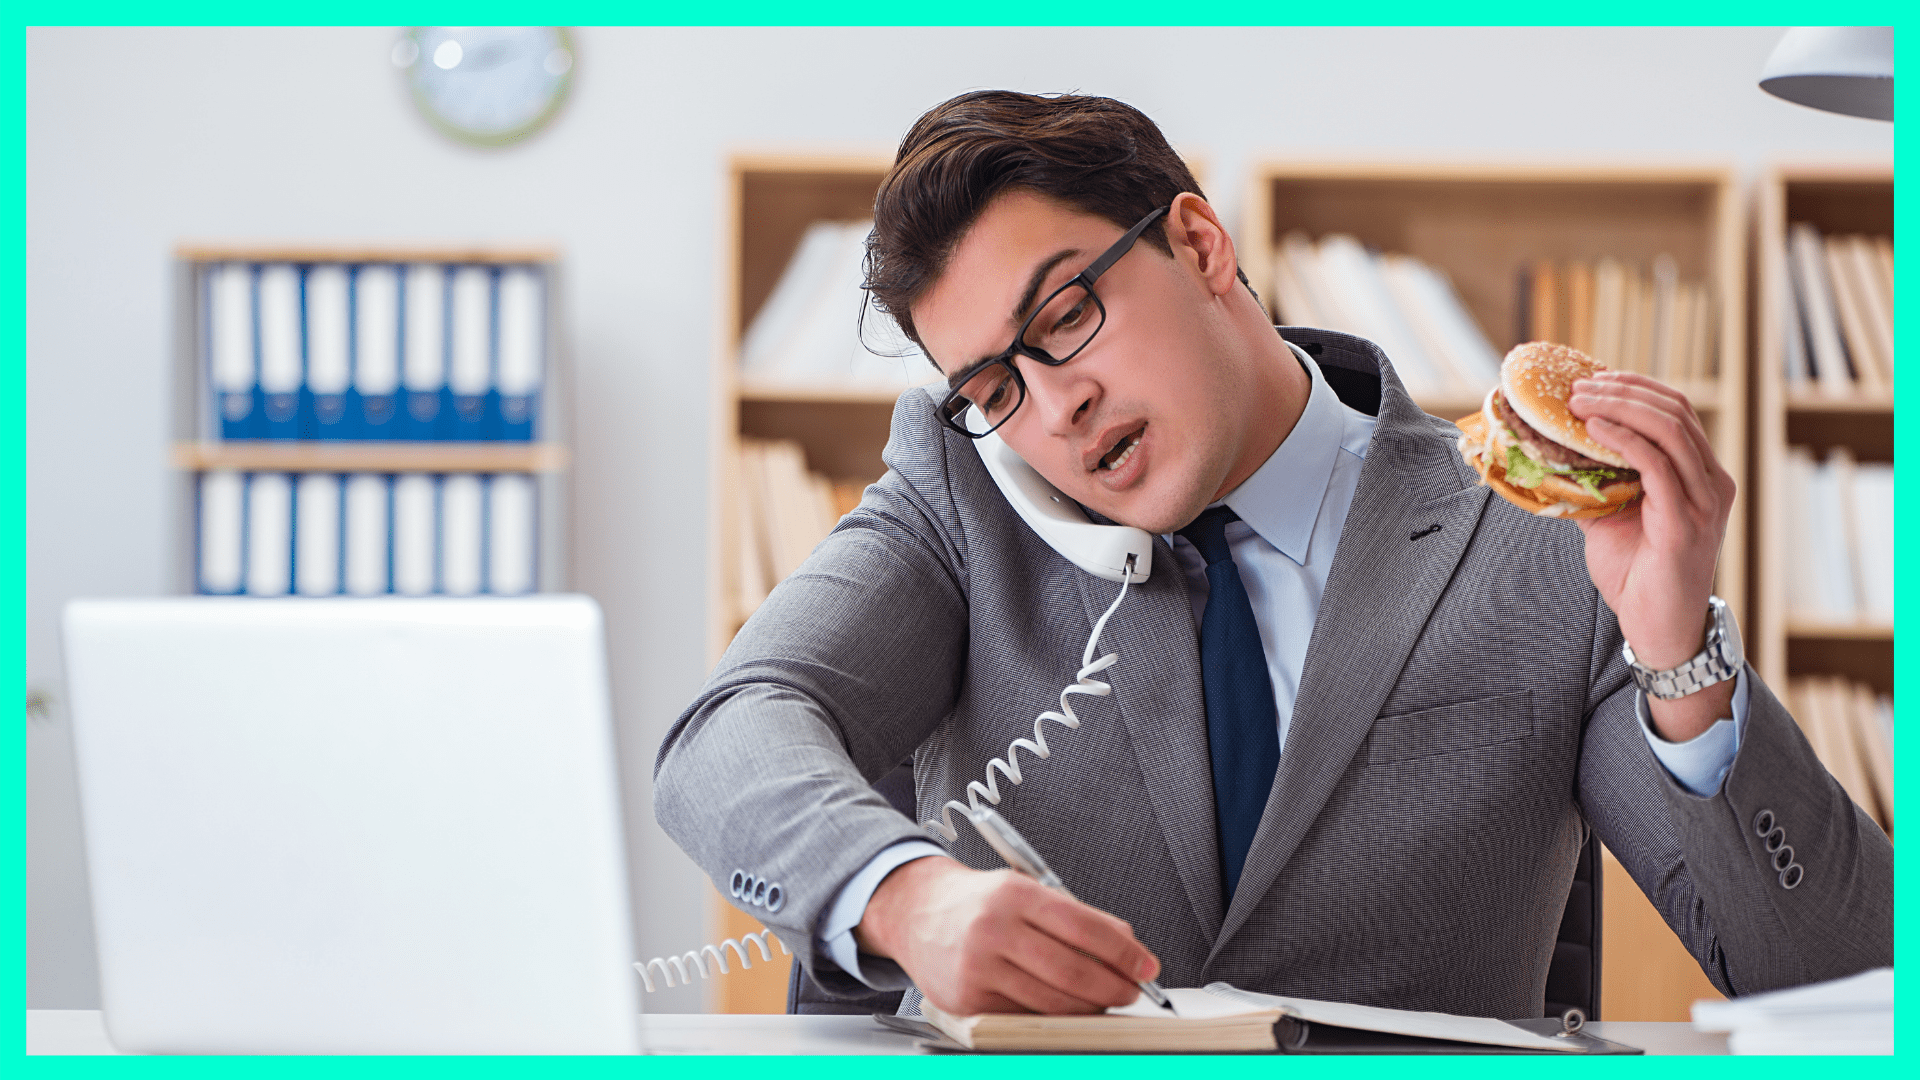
(1720, 880)
(836, 678)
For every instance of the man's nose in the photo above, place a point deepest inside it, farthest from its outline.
(1062, 396)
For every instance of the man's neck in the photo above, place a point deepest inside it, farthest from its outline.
(1276, 397)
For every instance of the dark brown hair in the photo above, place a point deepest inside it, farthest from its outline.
(1097, 155)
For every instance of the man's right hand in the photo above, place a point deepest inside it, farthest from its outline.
(976, 941)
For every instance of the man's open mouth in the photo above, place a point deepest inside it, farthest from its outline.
(1122, 450)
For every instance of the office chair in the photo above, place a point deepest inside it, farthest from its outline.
(1573, 976)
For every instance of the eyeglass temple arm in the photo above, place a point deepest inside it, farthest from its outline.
(1113, 254)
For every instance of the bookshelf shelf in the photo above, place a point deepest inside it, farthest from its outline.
(1866, 631)
(1837, 198)
(1482, 222)
(782, 393)
(265, 456)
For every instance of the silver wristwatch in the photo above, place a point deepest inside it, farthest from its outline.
(1719, 661)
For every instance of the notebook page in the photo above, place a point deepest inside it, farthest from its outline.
(1428, 1025)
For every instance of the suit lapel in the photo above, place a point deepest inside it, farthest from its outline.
(1387, 575)
(1157, 694)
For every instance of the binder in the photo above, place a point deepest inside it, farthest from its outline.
(282, 366)
(269, 509)
(522, 338)
(512, 547)
(368, 562)
(316, 546)
(462, 534)
(374, 399)
(222, 540)
(470, 367)
(329, 365)
(424, 361)
(232, 361)
(415, 533)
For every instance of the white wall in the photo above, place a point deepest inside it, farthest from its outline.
(137, 139)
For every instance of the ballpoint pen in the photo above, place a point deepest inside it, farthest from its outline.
(1020, 855)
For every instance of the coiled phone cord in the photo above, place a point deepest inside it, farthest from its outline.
(671, 965)
(1083, 683)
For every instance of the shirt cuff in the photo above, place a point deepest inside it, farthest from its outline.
(1700, 763)
(835, 936)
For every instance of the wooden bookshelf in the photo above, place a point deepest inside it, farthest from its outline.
(1836, 198)
(197, 447)
(769, 200)
(1481, 222)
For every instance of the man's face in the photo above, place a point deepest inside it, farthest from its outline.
(1140, 426)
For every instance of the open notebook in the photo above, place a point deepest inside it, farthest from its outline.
(1221, 1018)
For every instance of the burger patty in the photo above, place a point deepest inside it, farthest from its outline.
(1545, 450)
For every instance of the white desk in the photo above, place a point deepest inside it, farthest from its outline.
(73, 1031)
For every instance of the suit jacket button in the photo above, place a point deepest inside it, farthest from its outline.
(737, 884)
(1776, 838)
(1791, 876)
(1763, 823)
(1783, 858)
(776, 897)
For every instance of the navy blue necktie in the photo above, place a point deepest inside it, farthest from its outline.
(1243, 735)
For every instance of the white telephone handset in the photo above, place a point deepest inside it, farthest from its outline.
(1101, 550)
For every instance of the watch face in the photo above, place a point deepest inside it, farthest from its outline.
(487, 85)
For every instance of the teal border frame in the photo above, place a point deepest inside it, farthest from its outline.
(13, 406)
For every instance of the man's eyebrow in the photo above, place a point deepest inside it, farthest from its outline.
(1035, 280)
(1019, 313)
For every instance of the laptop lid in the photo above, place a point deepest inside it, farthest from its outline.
(354, 825)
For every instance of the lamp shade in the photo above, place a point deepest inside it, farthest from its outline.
(1842, 69)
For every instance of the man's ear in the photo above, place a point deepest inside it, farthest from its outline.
(1194, 231)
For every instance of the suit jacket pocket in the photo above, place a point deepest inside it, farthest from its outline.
(1487, 721)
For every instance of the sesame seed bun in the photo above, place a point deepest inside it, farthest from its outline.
(1537, 379)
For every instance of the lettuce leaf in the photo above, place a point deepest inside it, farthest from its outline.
(1523, 471)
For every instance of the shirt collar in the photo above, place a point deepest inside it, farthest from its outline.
(1281, 500)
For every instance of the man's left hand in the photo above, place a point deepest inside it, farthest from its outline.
(1653, 564)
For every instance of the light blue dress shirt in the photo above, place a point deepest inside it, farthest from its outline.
(1291, 512)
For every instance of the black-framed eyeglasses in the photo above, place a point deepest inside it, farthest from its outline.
(1057, 331)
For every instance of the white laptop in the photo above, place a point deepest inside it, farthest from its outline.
(353, 826)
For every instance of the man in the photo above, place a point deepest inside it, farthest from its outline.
(1360, 719)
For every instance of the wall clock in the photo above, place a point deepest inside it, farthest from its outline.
(487, 85)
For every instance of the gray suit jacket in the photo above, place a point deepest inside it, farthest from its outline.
(1463, 717)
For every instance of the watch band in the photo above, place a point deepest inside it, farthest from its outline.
(1720, 660)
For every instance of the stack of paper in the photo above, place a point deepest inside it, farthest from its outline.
(1853, 1015)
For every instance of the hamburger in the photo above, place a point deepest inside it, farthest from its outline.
(1527, 445)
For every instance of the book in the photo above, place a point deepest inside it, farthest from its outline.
(1580, 306)
(316, 543)
(1795, 358)
(1871, 373)
(323, 407)
(1349, 272)
(1220, 1018)
(282, 358)
(1876, 295)
(1825, 345)
(513, 547)
(1292, 305)
(1873, 537)
(1663, 327)
(365, 535)
(374, 397)
(1544, 318)
(1609, 308)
